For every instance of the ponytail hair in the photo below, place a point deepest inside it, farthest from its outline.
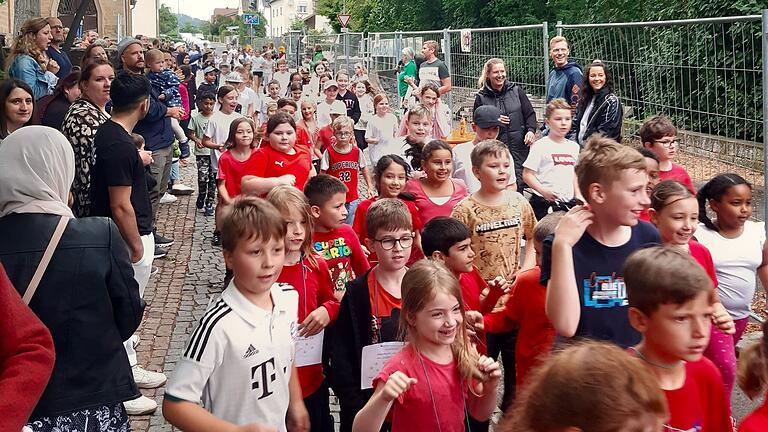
(752, 372)
(420, 285)
(715, 189)
(420, 153)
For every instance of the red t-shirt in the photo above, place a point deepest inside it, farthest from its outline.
(232, 171)
(701, 254)
(444, 391)
(325, 137)
(429, 209)
(314, 287)
(268, 162)
(472, 284)
(362, 232)
(345, 167)
(757, 421)
(382, 302)
(525, 309)
(700, 404)
(302, 138)
(342, 252)
(678, 173)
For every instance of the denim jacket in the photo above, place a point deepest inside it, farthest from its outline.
(25, 68)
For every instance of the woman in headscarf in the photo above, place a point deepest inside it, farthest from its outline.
(87, 296)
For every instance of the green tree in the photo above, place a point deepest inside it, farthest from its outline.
(168, 20)
(189, 28)
(258, 30)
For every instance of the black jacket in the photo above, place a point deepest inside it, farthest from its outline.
(605, 118)
(352, 104)
(351, 332)
(87, 298)
(512, 102)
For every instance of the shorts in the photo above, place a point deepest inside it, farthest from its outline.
(258, 73)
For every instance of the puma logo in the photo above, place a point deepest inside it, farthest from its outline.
(280, 163)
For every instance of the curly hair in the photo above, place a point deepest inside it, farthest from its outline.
(24, 42)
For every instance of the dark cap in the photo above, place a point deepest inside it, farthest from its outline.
(486, 117)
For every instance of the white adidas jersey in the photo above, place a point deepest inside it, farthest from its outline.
(238, 360)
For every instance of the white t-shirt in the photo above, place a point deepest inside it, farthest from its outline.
(248, 98)
(266, 100)
(736, 261)
(267, 68)
(238, 360)
(554, 165)
(284, 78)
(323, 113)
(384, 129)
(257, 64)
(462, 167)
(218, 131)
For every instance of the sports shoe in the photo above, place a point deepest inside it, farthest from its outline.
(180, 189)
(154, 271)
(184, 148)
(140, 406)
(160, 252)
(163, 241)
(167, 198)
(209, 211)
(216, 240)
(147, 379)
(200, 202)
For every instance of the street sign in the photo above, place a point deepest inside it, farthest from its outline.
(251, 19)
(344, 19)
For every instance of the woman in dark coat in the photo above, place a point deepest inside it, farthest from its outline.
(52, 109)
(599, 109)
(518, 116)
(87, 296)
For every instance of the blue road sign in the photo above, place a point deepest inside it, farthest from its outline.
(250, 19)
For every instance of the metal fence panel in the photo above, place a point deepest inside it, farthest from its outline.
(704, 74)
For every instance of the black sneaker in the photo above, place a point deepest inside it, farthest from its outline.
(163, 241)
(216, 240)
(160, 252)
(200, 203)
(184, 149)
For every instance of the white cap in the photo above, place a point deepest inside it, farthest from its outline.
(234, 77)
(338, 107)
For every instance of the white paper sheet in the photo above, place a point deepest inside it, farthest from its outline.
(309, 350)
(373, 359)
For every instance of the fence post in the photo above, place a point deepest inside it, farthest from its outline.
(559, 28)
(398, 48)
(545, 34)
(447, 48)
(346, 49)
(765, 116)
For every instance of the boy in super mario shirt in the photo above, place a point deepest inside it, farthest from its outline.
(335, 241)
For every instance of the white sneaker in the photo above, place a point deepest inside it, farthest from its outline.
(167, 198)
(140, 406)
(181, 189)
(147, 379)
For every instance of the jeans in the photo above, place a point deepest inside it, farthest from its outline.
(161, 172)
(351, 208)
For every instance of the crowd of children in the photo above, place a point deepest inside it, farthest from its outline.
(612, 297)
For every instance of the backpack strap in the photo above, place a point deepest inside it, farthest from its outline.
(57, 233)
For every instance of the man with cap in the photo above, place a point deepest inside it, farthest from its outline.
(331, 90)
(485, 124)
(156, 129)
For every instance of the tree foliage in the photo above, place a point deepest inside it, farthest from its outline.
(168, 20)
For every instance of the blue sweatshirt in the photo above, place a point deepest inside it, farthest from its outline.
(565, 82)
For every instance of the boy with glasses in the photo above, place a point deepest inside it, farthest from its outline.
(659, 135)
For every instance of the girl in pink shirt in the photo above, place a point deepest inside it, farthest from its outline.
(436, 192)
(752, 378)
(438, 367)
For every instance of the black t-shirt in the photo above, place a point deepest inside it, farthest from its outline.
(602, 293)
(118, 164)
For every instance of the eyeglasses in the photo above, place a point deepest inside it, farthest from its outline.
(343, 133)
(667, 144)
(388, 243)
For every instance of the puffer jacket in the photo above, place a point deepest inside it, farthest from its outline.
(605, 118)
(87, 298)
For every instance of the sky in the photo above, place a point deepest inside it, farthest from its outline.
(201, 9)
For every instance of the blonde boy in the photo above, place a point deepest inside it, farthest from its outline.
(498, 218)
(581, 264)
(239, 360)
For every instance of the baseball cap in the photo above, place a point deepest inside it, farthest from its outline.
(338, 107)
(486, 117)
(329, 84)
(178, 44)
(234, 77)
(209, 69)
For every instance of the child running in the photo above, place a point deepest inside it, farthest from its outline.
(752, 379)
(380, 133)
(239, 359)
(590, 386)
(370, 309)
(670, 305)
(345, 161)
(438, 367)
(440, 114)
(233, 163)
(675, 212)
(436, 192)
(738, 247)
(549, 167)
(318, 308)
(418, 122)
(389, 176)
(280, 162)
(206, 178)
